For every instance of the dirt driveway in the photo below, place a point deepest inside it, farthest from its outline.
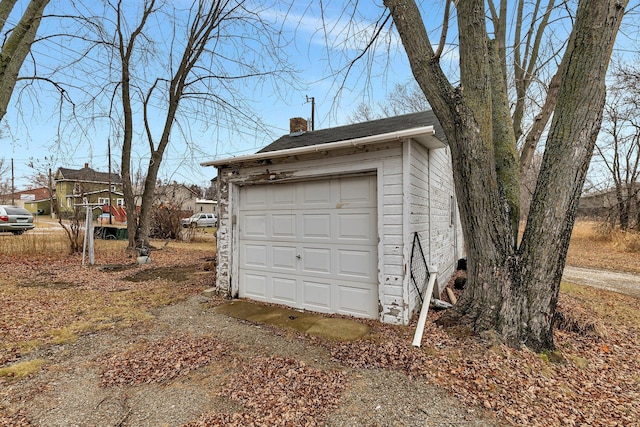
(68, 392)
(624, 283)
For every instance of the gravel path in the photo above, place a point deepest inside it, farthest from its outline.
(68, 392)
(624, 283)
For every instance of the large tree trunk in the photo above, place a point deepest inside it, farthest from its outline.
(147, 206)
(513, 289)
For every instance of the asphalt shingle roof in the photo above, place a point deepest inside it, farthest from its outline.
(358, 130)
(88, 175)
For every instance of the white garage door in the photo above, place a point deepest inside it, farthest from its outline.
(311, 245)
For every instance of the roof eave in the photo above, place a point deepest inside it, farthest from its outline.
(424, 135)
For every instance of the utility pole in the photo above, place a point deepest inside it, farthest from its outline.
(313, 111)
(13, 187)
(51, 203)
(109, 155)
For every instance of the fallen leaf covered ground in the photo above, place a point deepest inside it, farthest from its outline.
(593, 379)
(51, 300)
(279, 391)
(160, 361)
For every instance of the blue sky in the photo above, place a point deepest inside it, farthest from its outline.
(31, 128)
(31, 132)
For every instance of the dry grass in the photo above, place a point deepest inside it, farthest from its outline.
(22, 369)
(596, 246)
(33, 244)
(601, 308)
(54, 244)
(52, 299)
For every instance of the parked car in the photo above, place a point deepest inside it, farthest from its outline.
(201, 220)
(15, 220)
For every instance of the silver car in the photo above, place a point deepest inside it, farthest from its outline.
(15, 220)
(200, 220)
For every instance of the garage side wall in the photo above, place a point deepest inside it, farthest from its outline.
(419, 220)
(433, 214)
(445, 236)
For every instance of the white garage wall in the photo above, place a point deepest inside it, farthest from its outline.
(445, 240)
(419, 218)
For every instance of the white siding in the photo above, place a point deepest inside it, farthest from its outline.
(431, 190)
(418, 213)
(444, 250)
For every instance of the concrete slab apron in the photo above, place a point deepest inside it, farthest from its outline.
(315, 324)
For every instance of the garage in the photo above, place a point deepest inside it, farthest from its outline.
(332, 220)
(311, 244)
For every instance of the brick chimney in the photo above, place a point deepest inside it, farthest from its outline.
(86, 165)
(297, 124)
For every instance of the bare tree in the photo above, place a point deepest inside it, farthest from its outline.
(178, 66)
(513, 285)
(403, 99)
(363, 113)
(619, 145)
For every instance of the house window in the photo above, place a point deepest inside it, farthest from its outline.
(62, 203)
(120, 202)
(113, 187)
(69, 202)
(103, 201)
(76, 188)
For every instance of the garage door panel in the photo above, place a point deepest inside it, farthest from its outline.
(316, 295)
(253, 197)
(355, 301)
(316, 260)
(254, 225)
(284, 257)
(284, 196)
(255, 255)
(357, 192)
(356, 264)
(283, 226)
(356, 226)
(255, 286)
(315, 194)
(285, 290)
(316, 226)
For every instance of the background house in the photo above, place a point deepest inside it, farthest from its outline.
(36, 200)
(336, 220)
(99, 188)
(186, 198)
